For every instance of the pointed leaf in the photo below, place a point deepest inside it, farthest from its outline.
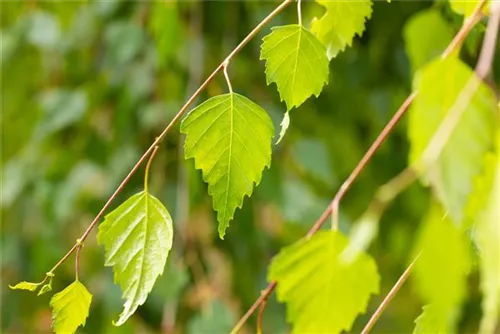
(441, 271)
(340, 23)
(70, 308)
(229, 138)
(285, 123)
(439, 85)
(137, 237)
(46, 288)
(488, 240)
(324, 292)
(296, 60)
(25, 286)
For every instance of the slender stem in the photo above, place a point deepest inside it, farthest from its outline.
(148, 165)
(181, 112)
(333, 207)
(226, 64)
(299, 11)
(389, 297)
(260, 316)
(77, 262)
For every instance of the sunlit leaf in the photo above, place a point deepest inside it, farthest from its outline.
(285, 123)
(488, 240)
(137, 237)
(439, 85)
(440, 273)
(323, 291)
(70, 308)
(424, 44)
(25, 286)
(229, 138)
(340, 23)
(296, 61)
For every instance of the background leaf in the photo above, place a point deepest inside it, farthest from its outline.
(70, 308)
(430, 321)
(25, 286)
(229, 138)
(296, 60)
(324, 293)
(137, 237)
(441, 271)
(340, 23)
(488, 240)
(439, 84)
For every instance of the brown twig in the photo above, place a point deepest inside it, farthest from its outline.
(181, 112)
(260, 316)
(389, 297)
(333, 207)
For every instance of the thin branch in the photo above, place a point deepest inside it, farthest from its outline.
(333, 207)
(77, 261)
(181, 112)
(264, 295)
(389, 297)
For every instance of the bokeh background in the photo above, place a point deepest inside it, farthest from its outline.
(86, 87)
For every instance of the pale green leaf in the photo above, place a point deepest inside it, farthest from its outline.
(229, 138)
(25, 286)
(440, 274)
(323, 291)
(424, 44)
(285, 123)
(70, 308)
(430, 322)
(46, 287)
(137, 237)
(466, 7)
(488, 241)
(439, 85)
(296, 61)
(340, 23)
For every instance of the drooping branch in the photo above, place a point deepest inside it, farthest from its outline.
(167, 129)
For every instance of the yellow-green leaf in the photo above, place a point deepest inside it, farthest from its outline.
(439, 84)
(70, 308)
(441, 271)
(342, 20)
(324, 291)
(229, 138)
(466, 7)
(137, 237)
(296, 61)
(430, 322)
(25, 286)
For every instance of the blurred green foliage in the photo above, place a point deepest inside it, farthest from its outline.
(86, 87)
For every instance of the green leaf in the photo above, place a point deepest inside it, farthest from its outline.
(137, 237)
(424, 44)
(439, 85)
(25, 286)
(323, 291)
(229, 138)
(440, 273)
(488, 241)
(340, 23)
(70, 308)
(430, 322)
(296, 61)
